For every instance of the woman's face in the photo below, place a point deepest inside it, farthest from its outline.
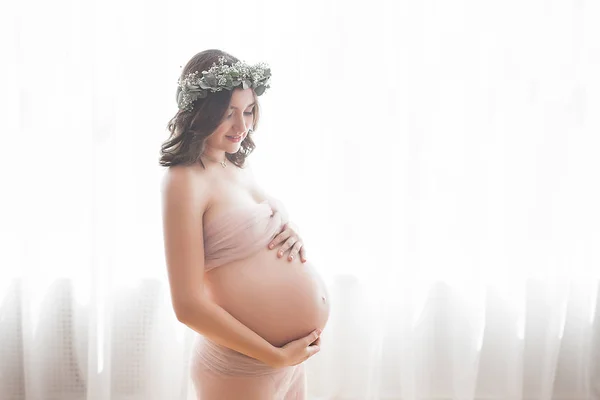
(238, 119)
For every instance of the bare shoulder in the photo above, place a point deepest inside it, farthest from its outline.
(187, 184)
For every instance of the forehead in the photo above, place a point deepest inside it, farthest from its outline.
(241, 98)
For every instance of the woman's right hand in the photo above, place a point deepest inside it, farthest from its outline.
(299, 350)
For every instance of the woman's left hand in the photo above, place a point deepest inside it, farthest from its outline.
(290, 239)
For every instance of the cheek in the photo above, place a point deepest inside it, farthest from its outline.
(220, 131)
(214, 138)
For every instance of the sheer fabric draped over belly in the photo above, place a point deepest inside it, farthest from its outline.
(217, 371)
(241, 232)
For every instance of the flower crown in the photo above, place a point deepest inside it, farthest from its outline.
(219, 77)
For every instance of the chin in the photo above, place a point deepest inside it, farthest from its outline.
(235, 146)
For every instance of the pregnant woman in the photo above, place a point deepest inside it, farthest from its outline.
(237, 268)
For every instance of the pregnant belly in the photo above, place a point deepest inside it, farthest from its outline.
(278, 299)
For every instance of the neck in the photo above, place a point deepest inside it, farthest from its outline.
(217, 156)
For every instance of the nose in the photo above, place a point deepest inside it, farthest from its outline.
(240, 125)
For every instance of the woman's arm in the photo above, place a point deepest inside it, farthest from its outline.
(216, 324)
(185, 197)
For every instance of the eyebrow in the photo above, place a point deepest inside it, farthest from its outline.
(246, 106)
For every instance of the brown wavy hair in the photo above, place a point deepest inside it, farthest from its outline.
(189, 129)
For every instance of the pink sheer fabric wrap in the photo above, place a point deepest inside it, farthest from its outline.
(241, 232)
(217, 371)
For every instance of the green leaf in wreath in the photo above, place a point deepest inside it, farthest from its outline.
(211, 80)
(259, 90)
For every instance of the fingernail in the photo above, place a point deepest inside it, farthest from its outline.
(271, 246)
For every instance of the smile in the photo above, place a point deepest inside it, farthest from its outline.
(234, 139)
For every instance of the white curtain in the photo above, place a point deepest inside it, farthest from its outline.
(440, 158)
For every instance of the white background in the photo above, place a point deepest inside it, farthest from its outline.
(440, 158)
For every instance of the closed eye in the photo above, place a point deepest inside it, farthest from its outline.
(246, 113)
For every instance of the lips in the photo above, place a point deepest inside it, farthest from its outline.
(235, 139)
